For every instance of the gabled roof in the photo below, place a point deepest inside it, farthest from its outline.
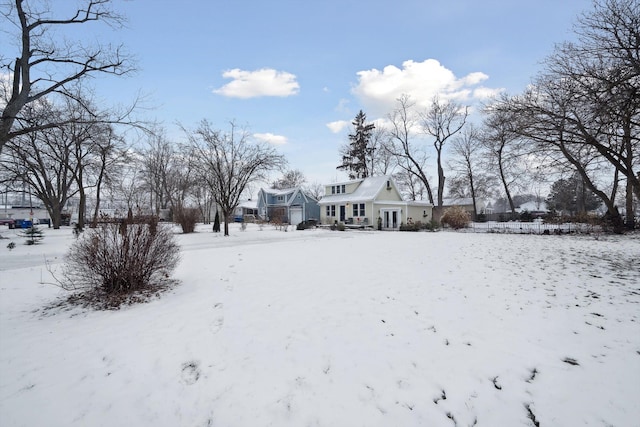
(279, 191)
(367, 190)
(284, 192)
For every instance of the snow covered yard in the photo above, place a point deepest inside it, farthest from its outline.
(321, 328)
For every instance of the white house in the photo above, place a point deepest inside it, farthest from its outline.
(371, 201)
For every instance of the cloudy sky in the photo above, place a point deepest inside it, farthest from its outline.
(296, 71)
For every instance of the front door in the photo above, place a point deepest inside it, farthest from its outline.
(343, 213)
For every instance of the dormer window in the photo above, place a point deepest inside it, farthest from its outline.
(388, 185)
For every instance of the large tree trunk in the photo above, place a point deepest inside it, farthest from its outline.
(441, 178)
(631, 185)
(96, 210)
(226, 215)
(506, 185)
(630, 222)
(55, 212)
(473, 196)
(82, 207)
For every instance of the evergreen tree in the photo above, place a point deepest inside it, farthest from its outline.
(571, 196)
(357, 156)
(33, 235)
(216, 223)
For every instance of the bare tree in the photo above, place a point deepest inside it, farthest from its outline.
(601, 76)
(316, 190)
(504, 150)
(544, 114)
(411, 157)
(110, 155)
(583, 111)
(169, 175)
(409, 184)
(228, 162)
(156, 160)
(382, 160)
(44, 160)
(129, 188)
(45, 67)
(204, 200)
(441, 121)
(465, 162)
(290, 179)
(88, 137)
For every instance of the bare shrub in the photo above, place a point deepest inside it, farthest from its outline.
(187, 218)
(456, 217)
(121, 258)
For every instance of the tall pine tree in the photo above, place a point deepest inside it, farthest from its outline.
(357, 157)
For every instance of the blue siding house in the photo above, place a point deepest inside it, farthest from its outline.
(290, 205)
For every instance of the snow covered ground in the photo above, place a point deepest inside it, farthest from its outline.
(322, 328)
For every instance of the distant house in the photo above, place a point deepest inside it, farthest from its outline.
(365, 201)
(246, 210)
(535, 208)
(290, 205)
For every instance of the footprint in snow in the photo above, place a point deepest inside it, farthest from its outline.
(218, 318)
(190, 372)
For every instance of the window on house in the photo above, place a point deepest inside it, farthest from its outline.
(333, 190)
(333, 210)
(281, 198)
(328, 210)
(343, 189)
(358, 209)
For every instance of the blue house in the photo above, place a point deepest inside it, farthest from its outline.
(289, 205)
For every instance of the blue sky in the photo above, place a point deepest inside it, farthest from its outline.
(294, 71)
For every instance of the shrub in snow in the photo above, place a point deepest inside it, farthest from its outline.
(121, 258)
(187, 218)
(456, 217)
(11, 246)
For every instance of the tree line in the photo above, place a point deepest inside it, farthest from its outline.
(62, 143)
(578, 121)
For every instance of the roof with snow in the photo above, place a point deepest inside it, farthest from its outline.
(533, 206)
(249, 204)
(457, 201)
(366, 191)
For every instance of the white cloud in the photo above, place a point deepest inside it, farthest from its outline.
(378, 89)
(263, 82)
(271, 138)
(337, 126)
